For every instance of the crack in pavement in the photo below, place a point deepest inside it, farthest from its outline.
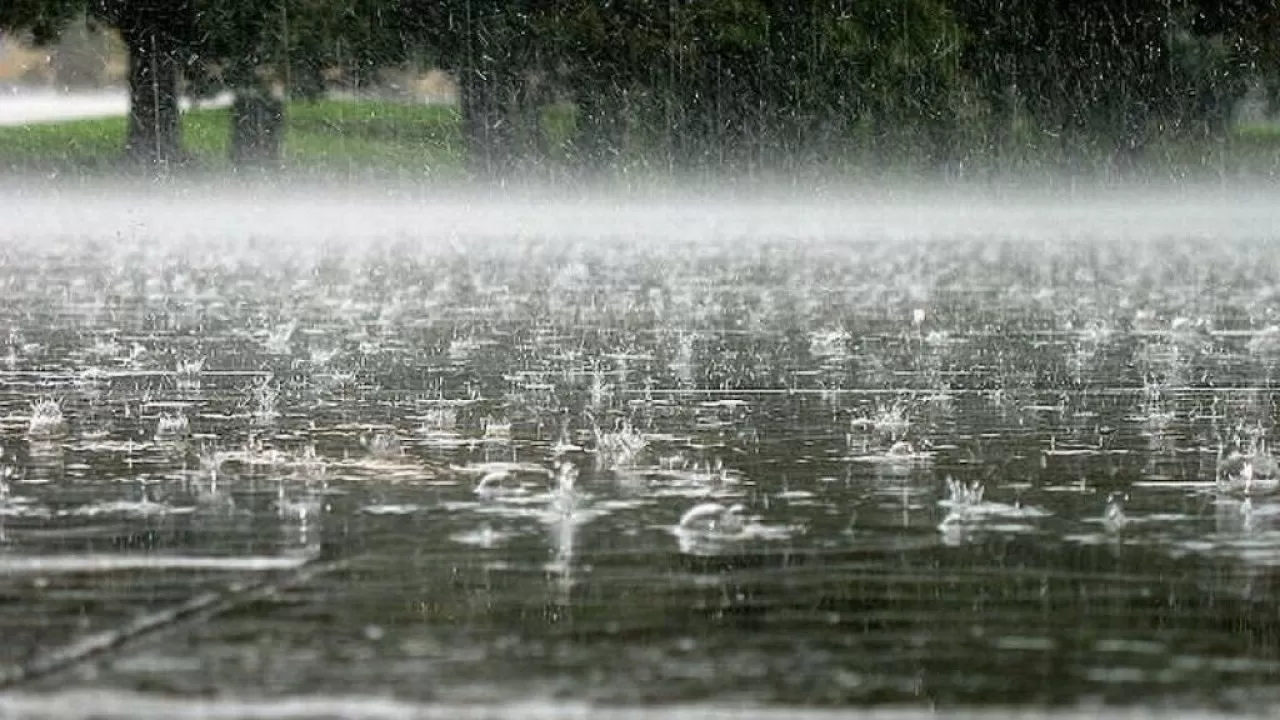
(199, 608)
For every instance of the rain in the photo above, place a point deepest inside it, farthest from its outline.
(733, 359)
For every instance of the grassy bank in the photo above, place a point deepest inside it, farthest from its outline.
(361, 139)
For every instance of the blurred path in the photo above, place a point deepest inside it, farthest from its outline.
(26, 106)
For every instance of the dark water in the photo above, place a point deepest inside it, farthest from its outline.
(980, 463)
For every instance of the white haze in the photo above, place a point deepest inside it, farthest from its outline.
(346, 215)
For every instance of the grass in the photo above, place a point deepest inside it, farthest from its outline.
(326, 137)
(391, 140)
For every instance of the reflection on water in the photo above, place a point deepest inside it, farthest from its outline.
(808, 469)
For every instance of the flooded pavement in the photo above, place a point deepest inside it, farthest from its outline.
(727, 457)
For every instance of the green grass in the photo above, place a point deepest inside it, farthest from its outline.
(83, 143)
(373, 139)
(326, 137)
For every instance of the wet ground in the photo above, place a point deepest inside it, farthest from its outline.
(1010, 455)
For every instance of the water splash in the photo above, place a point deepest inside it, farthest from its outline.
(497, 431)
(278, 338)
(382, 444)
(1250, 470)
(264, 399)
(1113, 517)
(501, 479)
(188, 374)
(172, 426)
(618, 448)
(46, 419)
(969, 511)
(713, 520)
(963, 496)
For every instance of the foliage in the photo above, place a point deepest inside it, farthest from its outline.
(44, 19)
(741, 85)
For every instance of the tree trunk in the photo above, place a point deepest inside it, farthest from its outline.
(155, 129)
(1002, 103)
(485, 128)
(485, 83)
(487, 101)
(1132, 139)
(257, 124)
(600, 130)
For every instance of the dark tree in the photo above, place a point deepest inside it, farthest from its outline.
(723, 85)
(159, 35)
(44, 19)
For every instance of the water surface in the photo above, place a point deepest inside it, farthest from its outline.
(982, 450)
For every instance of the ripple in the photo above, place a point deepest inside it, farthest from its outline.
(43, 565)
(127, 705)
(392, 509)
(133, 508)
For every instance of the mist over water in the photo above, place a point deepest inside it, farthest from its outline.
(850, 446)
(311, 210)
